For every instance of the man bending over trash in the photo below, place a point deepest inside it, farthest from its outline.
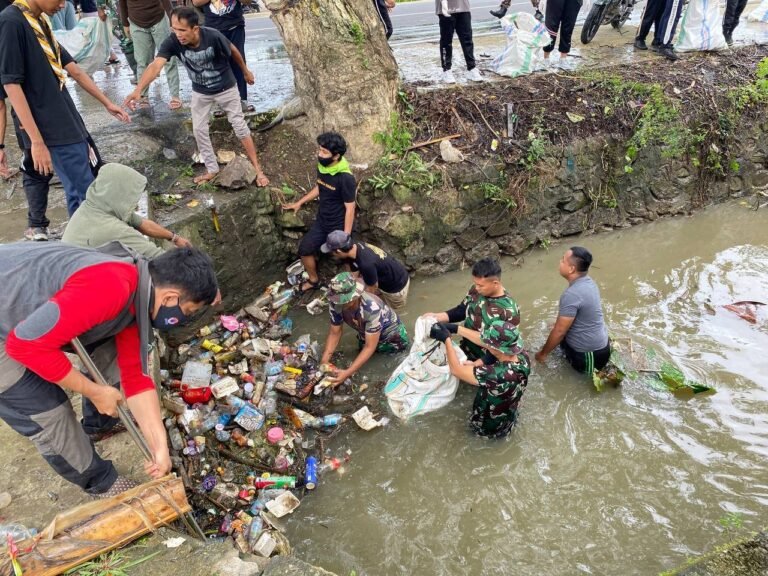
(379, 329)
(108, 214)
(206, 54)
(109, 299)
(501, 376)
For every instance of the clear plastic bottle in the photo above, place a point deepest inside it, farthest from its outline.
(270, 404)
(177, 442)
(16, 531)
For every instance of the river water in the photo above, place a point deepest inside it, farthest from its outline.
(632, 480)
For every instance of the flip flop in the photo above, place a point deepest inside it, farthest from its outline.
(312, 286)
(247, 108)
(175, 103)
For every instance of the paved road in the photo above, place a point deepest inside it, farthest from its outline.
(412, 21)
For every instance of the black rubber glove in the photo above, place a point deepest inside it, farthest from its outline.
(439, 332)
(452, 328)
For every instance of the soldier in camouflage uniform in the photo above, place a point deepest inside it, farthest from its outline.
(486, 300)
(501, 376)
(379, 328)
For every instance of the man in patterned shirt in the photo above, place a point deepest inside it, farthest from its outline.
(379, 329)
(501, 376)
(486, 300)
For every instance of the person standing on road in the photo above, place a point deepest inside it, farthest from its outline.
(580, 328)
(560, 15)
(454, 16)
(733, 10)
(226, 16)
(206, 55)
(384, 7)
(487, 300)
(32, 73)
(147, 23)
(663, 15)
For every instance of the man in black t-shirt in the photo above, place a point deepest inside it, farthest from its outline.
(382, 274)
(206, 54)
(336, 188)
(32, 72)
(226, 16)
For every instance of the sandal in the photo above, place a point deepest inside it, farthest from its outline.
(175, 103)
(248, 108)
(104, 434)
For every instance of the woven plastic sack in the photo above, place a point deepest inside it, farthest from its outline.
(759, 14)
(526, 36)
(701, 28)
(88, 43)
(422, 382)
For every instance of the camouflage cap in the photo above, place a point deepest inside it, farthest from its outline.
(502, 336)
(343, 288)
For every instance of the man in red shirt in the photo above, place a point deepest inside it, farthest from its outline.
(110, 299)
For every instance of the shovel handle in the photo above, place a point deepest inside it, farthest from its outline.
(122, 413)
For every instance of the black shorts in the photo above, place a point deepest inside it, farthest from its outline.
(586, 362)
(312, 240)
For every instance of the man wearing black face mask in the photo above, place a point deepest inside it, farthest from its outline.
(108, 298)
(337, 189)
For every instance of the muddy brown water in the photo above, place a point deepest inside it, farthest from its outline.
(628, 481)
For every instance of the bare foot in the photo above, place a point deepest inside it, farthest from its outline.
(205, 177)
(175, 103)
(262, 180)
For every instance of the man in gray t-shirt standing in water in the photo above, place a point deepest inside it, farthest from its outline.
(580, 329)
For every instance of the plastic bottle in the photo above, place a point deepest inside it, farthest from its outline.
(177, 442)
(275, 482)
(254, 531)
(310, 473)
(236, 402)
(282, 298)
(209, 423)
(16, 531)
(270, 403)
(248, 390)
(273, 367)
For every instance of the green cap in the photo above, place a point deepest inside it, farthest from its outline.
(343, 288)
(502, 336)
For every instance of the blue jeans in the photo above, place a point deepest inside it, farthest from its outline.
(72, 165)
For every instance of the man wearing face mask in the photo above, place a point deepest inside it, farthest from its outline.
(337, 190)
(110, 299)
(486, 301)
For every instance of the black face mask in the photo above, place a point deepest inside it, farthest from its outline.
(169, 317)
(325, 161)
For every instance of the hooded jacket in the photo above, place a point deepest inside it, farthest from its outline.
(108, 212)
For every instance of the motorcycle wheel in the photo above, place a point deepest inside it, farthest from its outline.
(592, 23)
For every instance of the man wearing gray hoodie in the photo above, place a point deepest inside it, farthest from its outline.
(454, 16)
(109, 213)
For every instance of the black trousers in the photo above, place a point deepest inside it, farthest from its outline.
(663, 15)
(733, 10)
(384, 15)
(461, 23)
(236, 35)
(586, 362)
(561, 15)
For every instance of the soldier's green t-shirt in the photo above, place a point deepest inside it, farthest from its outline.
(501, 385)
(480, 311)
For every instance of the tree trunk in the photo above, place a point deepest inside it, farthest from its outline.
(344, 70)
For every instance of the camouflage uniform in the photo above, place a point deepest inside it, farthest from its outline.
(500, 384)
(481, 311)
(370, 316)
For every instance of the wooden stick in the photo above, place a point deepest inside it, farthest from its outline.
(433, 141)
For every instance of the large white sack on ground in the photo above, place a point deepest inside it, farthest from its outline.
(701, 28)
(422, 384)
(526, 36)
(88, 43)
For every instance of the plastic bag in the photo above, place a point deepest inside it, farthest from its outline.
(759, 14)
(525, 38)
(422, 382)
(702, 27)
(88, 43)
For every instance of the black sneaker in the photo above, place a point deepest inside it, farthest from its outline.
(655, 47)
(640, 44)
(36, 234)
(728, 37)
(500, 13)
(668, 53)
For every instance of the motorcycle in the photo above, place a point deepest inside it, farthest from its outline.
(613, 12)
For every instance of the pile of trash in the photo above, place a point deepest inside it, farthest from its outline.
(249, 409)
